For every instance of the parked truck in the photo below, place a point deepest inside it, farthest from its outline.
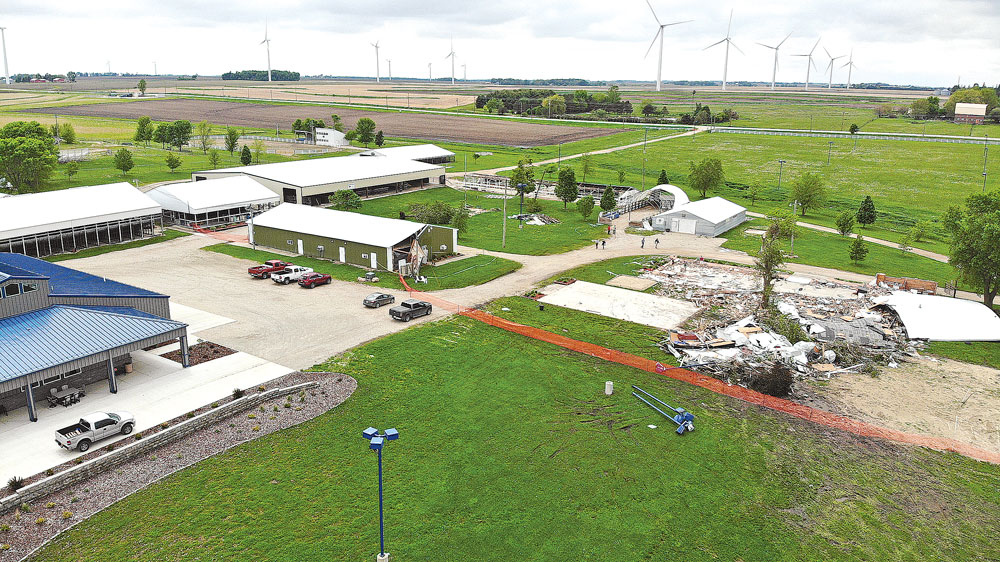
(264, 270)
(94, 427)
(290, 274)
(409, 309)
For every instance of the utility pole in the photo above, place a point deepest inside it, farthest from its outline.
(828, 152)
(465, 188)
(781, 164)
(795, 205)
(503, 240)
(986, 153)
(645, 132)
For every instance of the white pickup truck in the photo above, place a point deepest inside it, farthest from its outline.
(94, 427)
(290, 274)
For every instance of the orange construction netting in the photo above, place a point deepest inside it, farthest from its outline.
(715, 385)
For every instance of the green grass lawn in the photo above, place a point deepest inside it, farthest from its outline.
(833, 251)
(474, 270)
(909, 181)
(485, 230)
(980, 353)
(509, 450)
(168, 234)
(605, 270)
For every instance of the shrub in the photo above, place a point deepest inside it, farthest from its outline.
(215, 404)
(261, 388)
(288, 404)
(4, 528)
(437, 212)
(138, 436)
(67, 514)
(275, 407)
(4, 546)
(256, 428)
(164, 425)
(190, 415)
(252, 416)
(25, 507)
(49, 472)
(50, 505)
(237, 393)
(15, 483)
(40, 521)
(74, 499)
(776, 381)
(533, 206)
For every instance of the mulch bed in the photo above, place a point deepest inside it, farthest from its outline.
(84, 499)
(201, 353)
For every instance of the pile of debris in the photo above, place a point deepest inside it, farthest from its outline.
(535, 219)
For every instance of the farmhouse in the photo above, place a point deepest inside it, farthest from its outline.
(313, 181)
(426, 153)
(362, 240)
(56, 222)
(62, 328)
(708, 217)
(970, 113)
(213, 202)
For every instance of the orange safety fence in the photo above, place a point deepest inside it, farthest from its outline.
(715, 385)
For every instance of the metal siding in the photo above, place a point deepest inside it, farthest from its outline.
(156, 306)
(436, 236)
(277, 238)
(25, 302)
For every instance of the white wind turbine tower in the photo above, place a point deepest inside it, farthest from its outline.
(728, 41)
(850, 66)
(429, 78)
(389, 62)
(809, 62)
(3, 39)
(451, 54)
(774, 73)
(830, 67)
(377, 71)
(659, 34)
(267, 43)
(465, 76)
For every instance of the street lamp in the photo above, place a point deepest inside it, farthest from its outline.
(986, 153)
(781, 164)
(520, 216)
(828, 152)
(376, 442)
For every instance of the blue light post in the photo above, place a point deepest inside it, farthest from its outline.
(376, 442)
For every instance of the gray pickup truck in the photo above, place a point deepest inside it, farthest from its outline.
(409, 309)
(94, 427)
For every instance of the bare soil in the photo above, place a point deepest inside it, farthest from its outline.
(201, 353)
(930, 396)
(454, 128)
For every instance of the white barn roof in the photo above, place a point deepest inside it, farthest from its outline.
(943, 319)
(319, 171)
(212, 195)
(35, 213)
(713, 209)
(411, 152)
(978, 109)
(338, 225)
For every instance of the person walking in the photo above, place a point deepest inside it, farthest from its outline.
(642, 242)
(657, 242)
(604, 244)
(597, 244)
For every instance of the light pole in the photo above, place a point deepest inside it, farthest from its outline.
(375, 442)
(520, 214)
(645, 132)
(503, 239)
(795, 205)
(986, 153)
(559, 158)
(781, 164)
(828, 152)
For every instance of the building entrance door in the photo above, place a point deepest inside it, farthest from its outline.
(300, 247)
(343, 255)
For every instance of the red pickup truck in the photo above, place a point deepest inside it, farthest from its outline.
(265, 270)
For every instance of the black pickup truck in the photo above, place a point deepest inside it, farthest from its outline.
(409, 309)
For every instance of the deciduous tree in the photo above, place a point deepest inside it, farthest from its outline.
(123, 160)
(975, 242)
(67, 133)
(586, 165)
(585, 206)
(141, 86)
(554, 104)
(754, 191)
(232, 139)
(173, 162)
(523, 178)
(180, 133)
(460, 221)
(809, 191)
(213, 158)
(204, 132)
(767, 261)
(706, 175)
(365, 130)
(258, 149)
(162, 134)
(72, 168)
(566, 188)
(845, 223)
(28, 155)
(345, 200)
(143, 130)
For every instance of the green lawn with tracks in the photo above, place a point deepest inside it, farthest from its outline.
(509, 450)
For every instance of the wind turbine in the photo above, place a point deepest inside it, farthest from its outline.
(659, 34)
(810, 61)
(6, 72)
(465, 75)
(774, 73)
(451, 54)
(154, 69)
(830, 66)
(389, 62)
(728, 41)
(850, 66)
(377, 71)
(429, 78)
(267, 44)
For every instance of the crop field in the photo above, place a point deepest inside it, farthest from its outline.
(908, 181)
(485, 230)
(397, 124)
(518, 444)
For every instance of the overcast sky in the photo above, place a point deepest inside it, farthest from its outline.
(925, 42)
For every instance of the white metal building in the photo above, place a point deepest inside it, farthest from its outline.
(331, 137)
(56, 222)
(427, 153)
(664, 197)
(313, 181)
(212, 202)
(708, 217)
(973, 113)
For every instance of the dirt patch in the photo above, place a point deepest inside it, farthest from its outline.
(455, 128)
(201, 353)
(928, 396)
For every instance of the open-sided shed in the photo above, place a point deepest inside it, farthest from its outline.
(211, 202)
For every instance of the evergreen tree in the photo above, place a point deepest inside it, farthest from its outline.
(859, 250)
(566, 188)
(608, 199)
(379, 138)
(663, 179)
(866, 214)
(245, 156)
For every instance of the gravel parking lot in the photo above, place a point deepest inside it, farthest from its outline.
(285, 324)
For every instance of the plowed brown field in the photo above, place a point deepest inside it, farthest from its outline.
(456, 128)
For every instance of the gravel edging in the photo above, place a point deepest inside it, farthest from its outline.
(26, 536)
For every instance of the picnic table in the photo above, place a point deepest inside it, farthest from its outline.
(68, 396)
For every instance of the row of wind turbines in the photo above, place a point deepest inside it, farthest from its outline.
(728, 40)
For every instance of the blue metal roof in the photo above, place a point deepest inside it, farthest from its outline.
(8, 271)
(126, 310)
(66, 282)
(59, 334)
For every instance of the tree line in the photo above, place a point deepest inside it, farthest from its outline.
(261, 75)
(549, 102)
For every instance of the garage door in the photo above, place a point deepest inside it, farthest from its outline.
(686, 226)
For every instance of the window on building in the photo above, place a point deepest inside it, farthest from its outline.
(11, 290)
(29, 287)
(72, 373)
(289, 242)
(51, 380)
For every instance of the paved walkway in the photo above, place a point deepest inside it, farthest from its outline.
(920, 252)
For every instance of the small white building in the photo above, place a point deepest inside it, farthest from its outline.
(212, 202)
(331, 137)
(708, 217)
(427, 153)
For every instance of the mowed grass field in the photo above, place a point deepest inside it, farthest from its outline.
(908, 181)
(473, 270)
(486, 229)
(509, 450)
